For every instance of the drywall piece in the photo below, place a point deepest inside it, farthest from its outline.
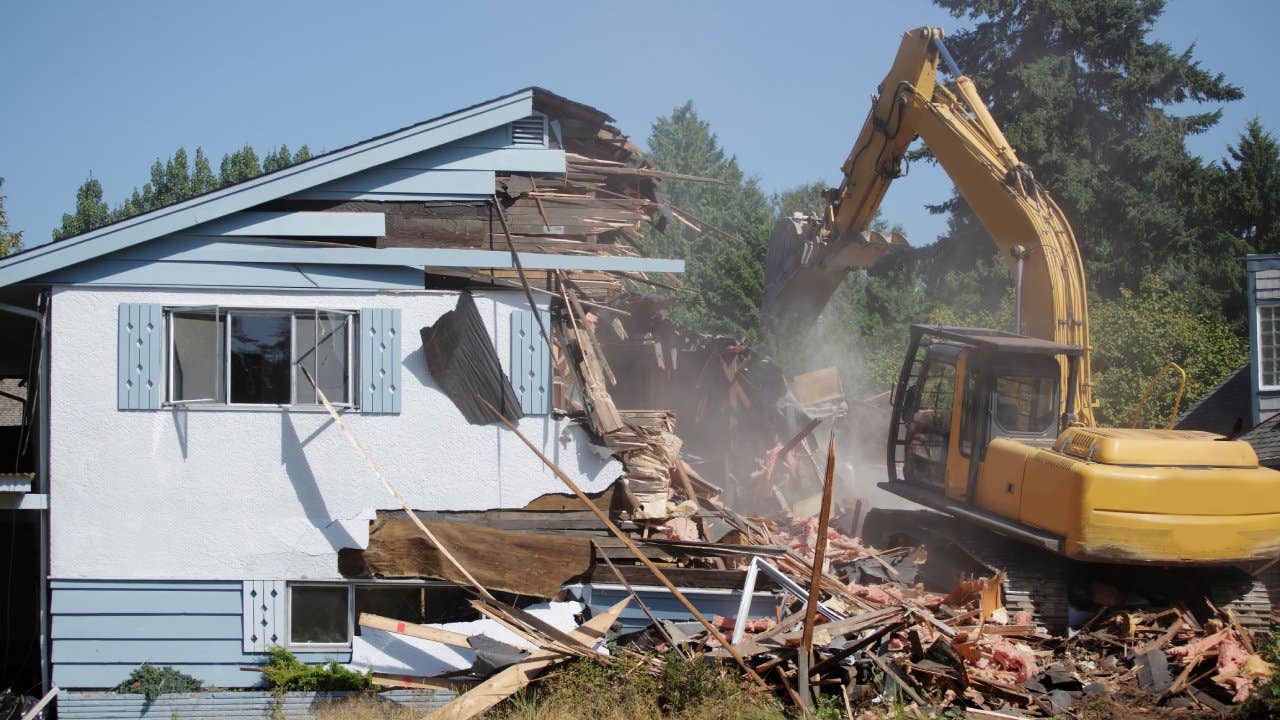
(386, 652)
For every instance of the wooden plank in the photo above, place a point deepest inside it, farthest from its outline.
(414, 630)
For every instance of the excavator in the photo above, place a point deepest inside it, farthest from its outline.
(994, 431)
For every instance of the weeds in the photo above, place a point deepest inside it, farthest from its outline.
(627, 690)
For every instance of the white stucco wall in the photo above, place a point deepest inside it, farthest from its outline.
(267, 493)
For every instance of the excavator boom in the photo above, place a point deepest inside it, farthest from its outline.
(808, 257)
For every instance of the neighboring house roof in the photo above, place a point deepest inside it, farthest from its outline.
(343, 162)
(1224, 405)
(1265, 440)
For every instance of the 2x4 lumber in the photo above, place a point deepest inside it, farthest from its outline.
(657, 573)
(413, 630)
(819, 557)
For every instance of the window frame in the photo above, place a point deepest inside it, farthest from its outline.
(223, 315)
(1055, 396)
(352, 618)
(1275, 308)
(319, 647)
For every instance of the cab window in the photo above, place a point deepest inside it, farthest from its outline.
(1026, 403)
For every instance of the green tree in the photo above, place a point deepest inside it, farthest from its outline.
(1251, 198)
(171, 181)
(1137, 332)
(10, 240)
(239, 166)
(725, 256)
(91, 211)
(1085, 96)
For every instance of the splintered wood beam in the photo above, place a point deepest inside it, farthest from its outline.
(524, 280)
(640, 555)
(819, 557)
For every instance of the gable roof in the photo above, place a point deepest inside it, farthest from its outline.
(323, 168)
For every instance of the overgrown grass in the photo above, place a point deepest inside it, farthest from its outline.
(627, 691)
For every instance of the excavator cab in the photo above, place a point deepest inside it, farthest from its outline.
(960, 388)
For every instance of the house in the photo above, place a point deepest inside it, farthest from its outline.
(1247, 402)
(183, 496)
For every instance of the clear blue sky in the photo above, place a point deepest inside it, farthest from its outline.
(107, 87)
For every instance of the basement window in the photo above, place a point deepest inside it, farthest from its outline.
(260, 357)
(319, 615)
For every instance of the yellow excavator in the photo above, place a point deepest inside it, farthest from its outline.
(994, 431)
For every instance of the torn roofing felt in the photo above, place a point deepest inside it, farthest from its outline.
(463, 361)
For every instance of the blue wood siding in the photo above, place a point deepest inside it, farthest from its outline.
(243, 275)
(380, 183)
(380, 360)
(102, 630)
(140, 367)
(297, 224)
(530, 362)
(245, 704)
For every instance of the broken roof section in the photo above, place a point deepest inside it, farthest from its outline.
(502, 147)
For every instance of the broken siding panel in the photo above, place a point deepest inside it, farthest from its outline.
(140, 372)
(102, 630)
(664, 606)
(380, 360)
(530, 362)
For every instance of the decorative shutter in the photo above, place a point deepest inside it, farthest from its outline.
(379, 360)
(140, 370)
(263, 614)
(530, 368)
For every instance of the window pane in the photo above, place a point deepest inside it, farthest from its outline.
(318, 615)
(260, 358)
(197, 366)
(328, 365)
(1025, 403)
(331, 359)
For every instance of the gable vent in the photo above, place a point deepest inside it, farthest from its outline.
(530, 131)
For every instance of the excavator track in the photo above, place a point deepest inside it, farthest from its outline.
(1043, 584)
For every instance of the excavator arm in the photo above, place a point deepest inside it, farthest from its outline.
(809, 257)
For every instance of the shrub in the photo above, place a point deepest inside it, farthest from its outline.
(285, 672)
(151, 682)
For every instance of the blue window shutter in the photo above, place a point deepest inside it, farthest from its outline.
(530, 368)
(140, 370)
(380, 360)
(262, 616)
